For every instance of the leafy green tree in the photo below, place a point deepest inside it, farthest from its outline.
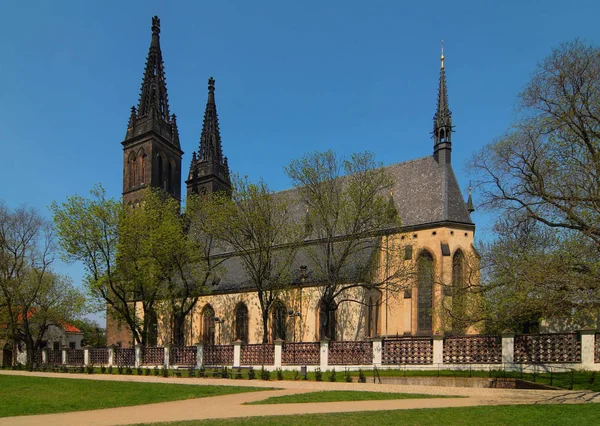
(543, 179)
(93, 334)
(260, 230)
(347, 212)
(32, 296)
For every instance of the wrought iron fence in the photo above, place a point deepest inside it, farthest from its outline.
(75, 356)
(407, 350)
(218, 355)
(473, 350)
(153, 356)
(124, 356)
(257, 354)
(350, 353)
(99, 356)
(306, 353)
(183, 355)
(548, 348)
(54, 356)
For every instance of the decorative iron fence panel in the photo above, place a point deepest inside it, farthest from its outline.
(183, 355)
(75, 356)
(153, 356)
(54, 356)
(409, 350)
(306, 353)
(350, 353)
(124, 356)
(37, 356)
(257, 354)
(218, 355)
(473, 350)
(99, 356)
(548, 348)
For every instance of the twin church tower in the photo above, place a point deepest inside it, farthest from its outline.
(152, 151)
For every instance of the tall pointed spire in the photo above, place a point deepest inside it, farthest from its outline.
(470, 207)
(442, 120)
(151, 149)
(153, 97)
(210, 170)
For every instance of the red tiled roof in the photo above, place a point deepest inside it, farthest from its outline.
(69, 328)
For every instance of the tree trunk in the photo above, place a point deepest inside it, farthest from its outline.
(178, 329)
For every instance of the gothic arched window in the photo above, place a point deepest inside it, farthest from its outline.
(241, 322)
(142, 156)
(132, 169)
(327, 321)
(208, 325)
(458, 292)
(278, 321)
(373, 304)
(425, 275)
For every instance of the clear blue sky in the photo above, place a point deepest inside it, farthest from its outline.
(291, 77)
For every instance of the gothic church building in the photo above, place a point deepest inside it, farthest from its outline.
(436, 236)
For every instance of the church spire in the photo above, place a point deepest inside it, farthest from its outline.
(154, 102)
(209, 171)
(442, 120)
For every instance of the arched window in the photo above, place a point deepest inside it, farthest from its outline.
(208, 325)
(132, 169)
(278, 321)
(142, 158)
(169, 186)
(159, 166)
(373, 304)
(241, 322)
(425, 274)
(327, 320)
(458, 292)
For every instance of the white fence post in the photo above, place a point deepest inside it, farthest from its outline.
(199, 354)
(438, 349)
(278, 351)
(111, 356)
(44, 355)
(86, 356)
(324, 355)
(138, 355)
(508, 348)
(377, 351)
(587, 348)
(237, 353)
(167, 361)
(64, 354)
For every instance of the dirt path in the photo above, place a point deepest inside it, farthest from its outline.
(229, 406)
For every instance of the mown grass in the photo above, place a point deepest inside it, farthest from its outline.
(21, 395)
(335, 396)
(514, 415)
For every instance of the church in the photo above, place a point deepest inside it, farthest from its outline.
(436, 236)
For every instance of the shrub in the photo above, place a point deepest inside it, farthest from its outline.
(332, 377)
(238, 373)
(296, 374)
(361, 377)
(110, 369)
(177, 373)
(348, 377)
(90, 369)
(318, 375)
(251, 374)
(140, 371)
(224, 373)
(165, 372)
(156, 371)
(279, 374)
(192, 372)
(128, 371)
(265, 374)
(202, 372)
(103, 369)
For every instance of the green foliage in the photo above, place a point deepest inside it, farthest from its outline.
(279, 373)
(251, 374)
(361, 376)
(332, 376)
(265, 374)
(318, 375)
(336, 396)
(348, 376)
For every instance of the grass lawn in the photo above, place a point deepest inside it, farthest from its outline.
(334, 396)
(514, 415)
(39, 395)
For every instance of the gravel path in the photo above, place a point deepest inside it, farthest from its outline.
(229, 406)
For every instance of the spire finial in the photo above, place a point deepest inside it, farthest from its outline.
(470, 207)
(155, 25)
(442, 57)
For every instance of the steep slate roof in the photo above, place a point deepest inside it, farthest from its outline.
(425, 193)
